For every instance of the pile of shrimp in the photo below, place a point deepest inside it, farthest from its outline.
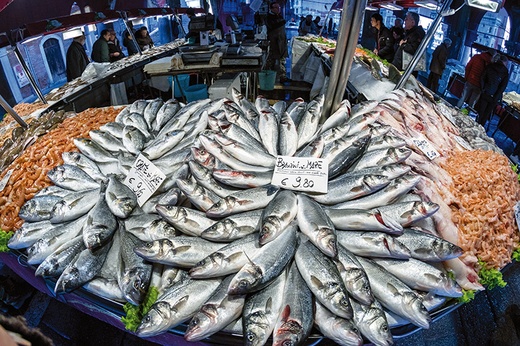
(29, 170)
(487, 189)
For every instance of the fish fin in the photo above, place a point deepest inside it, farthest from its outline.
(269, 305)
(112, 195)
(286, 312)
(392, 289)
(179, 304)
(357, 189)
(316, 281)
(184, 248)
(422, 251)
(234, 256)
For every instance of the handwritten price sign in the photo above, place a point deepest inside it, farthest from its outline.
(144, 179)
(425, 146)
(301, 174)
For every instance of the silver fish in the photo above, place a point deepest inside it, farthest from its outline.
(287, 136)
(29, 233)
(362, 121)
(373, 244)
(53, 239)
(388, 195)
(382, 157)
(133, 139)
(83, 269)
(38, 208)
(205, 178)
(363, 107)
(385, 142)
(199, 196)
(428, 247)
(395, 295)
(354, 276)
(54, 264)
(179, 171)
(176, 306)
(165, 113)
(93, 151)
(106, 140)
(372, 323)
(86, 164)
(151, 110)
(245, 153)
(348, 187)
(137, 120)
(72, 178)
(323, 278)
(217, 312)
(158, 229)
(233, 227)
(337, 118)
(239, 119)
(268, 128)
(361, 220)
(347, 157)
(181, 251)
(228, 259)
(161, 145)
(422, 276)
(182, 116)
(53, 190)
(390, 171)
(246, 106)
(296, 110)
(245, 200)
(188, 221)
(138, 106)
(341, 331)
(277, 215)
(261, 310)
(243, 179)
(120, 199)
(170, 277)
(114, 128)
(407, 213)
(308, 125)
(135, 273)
(313, 149)
(316, 225)
(240, 135)
(100, 224)
(295, 320)
(105, 288)
(268, 263)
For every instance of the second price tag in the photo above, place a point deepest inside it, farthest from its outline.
(301, 174)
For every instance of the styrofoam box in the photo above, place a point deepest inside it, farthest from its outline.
(223, 87)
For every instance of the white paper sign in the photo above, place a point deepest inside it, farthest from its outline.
(144, 179)
(427, 149)
(301, 174)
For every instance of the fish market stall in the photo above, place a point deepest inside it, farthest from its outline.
(166, 214)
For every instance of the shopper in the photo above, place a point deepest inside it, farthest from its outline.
(114, 49)
(100, 52)
(316, 22)
(493, 83)
(77, 58)
(384, 39)
(307, 26)
(143, 39)
(413, 35)
(129, 43)
(277, 41)
(438, 64)
(473, 75)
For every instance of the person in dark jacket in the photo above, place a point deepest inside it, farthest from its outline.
(277, 41)
(143, 38)
(77, 58)
(129, 43)
(473, 74)
(438, 64)
(413, 35)
(493, 83)
(384, 39)
(100, 52)
(307, 26)
(114, 49)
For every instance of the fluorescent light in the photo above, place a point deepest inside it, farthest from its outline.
(431, 5)
(137, 22)
(32, 39)
(91, 27)
(110, 21)
(392, 7)
(486, 5)
(371, 8)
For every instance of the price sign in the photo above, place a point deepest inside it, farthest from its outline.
(144, 179)
(301, 174)
(425, 146)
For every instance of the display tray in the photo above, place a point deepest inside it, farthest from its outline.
(111, 311)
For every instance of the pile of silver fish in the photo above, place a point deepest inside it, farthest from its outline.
(227, 250)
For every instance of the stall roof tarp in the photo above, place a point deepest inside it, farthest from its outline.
(4, 3)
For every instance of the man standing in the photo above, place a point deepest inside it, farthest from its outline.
(473, 74)
(413, 35)
(114, 49)
(384, 39)
(493, 83)
(307, 26)
(277, 41)
(100, 52)
(438, 64)
(77, 59)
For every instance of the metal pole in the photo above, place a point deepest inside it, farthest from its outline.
(11, 111)
(124, 15)
(339, 55)
(424, 44)
(28, 73)
(350, 49)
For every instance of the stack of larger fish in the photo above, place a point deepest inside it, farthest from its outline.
(229, 250)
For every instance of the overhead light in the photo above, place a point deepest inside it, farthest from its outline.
(431, 5)
(486, 5)
(392, 7)
(91, 27)
(371, 8)
(72, 33)
(33, 38)
(137, 22)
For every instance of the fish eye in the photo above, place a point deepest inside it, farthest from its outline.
(355, 330)
(194, 321)
(136, 285)
(344, 302)
(250, 336)
(385, 327)
(243, 284)
(149, 245)
(147, 319)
